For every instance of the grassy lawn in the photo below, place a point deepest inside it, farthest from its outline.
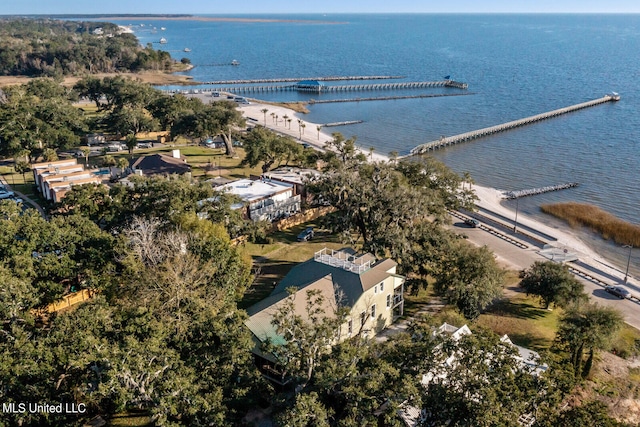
(130, 419)
(521, 317)
(273, 261)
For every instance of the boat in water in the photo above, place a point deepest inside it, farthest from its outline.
(234, 62)
(186, 49)
(163, 41)
(162, 28)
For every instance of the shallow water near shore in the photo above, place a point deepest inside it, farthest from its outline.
(515, 65)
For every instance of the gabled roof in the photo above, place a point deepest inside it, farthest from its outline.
(352, 285)
(261, 313)
(160, 164)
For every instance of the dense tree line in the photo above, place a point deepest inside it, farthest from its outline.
(39, 117)
(46, 47)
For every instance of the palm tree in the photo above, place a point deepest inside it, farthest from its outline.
(123, 164)
(303, 125)
(393, 156)
(318, 129)
(467, 179)
(289, 121)
(85, 152)
(300, 128)
(285, 118)
(371, 150)
(273, 115)
(276, 120)
(265, 111)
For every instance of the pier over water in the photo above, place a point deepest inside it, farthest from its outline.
(469, 136)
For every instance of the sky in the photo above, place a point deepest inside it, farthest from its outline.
(8, 7)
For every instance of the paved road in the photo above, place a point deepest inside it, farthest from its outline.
(518, 259)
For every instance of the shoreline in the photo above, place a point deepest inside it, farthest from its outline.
(311, 135)
(488, 198)
(216, 19)
(567, 237)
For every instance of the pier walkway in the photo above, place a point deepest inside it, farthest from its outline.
(469, 136)
(338, 88)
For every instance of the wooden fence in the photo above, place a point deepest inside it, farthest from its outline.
(70, 300)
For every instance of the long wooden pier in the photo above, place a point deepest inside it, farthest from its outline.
(343, 88)
(298, 79)
(469, 136)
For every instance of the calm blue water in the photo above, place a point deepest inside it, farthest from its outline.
(516, 66)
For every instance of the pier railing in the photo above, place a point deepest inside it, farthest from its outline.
(468, 136)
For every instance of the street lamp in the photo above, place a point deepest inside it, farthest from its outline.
(515, 227)
(626, 274)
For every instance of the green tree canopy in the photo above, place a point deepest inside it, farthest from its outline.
(553, 283)
(265, 146)
(587, 328)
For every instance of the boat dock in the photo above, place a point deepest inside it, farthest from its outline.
(298, 79)
(533, 191)
(469, 136)
(349, 122)
(340, 88)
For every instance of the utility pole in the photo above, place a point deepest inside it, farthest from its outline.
(626, 274)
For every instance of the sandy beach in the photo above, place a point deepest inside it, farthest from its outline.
(253, 113)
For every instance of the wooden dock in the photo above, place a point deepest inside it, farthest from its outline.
(469, 136)
(340, 88)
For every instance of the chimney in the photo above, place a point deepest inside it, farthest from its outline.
(176, 154)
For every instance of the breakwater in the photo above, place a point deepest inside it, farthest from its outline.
(469, 136)
(533, 191)
(386, 98)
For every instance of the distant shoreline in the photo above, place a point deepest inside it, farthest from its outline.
(201, 18)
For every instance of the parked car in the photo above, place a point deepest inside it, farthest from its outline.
(618, 291)
(4, 194)
(305, 235)
(144, 145)
(472, 222)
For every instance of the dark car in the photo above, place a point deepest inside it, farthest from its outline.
(472, 222)
(618, 291)
(305, 235)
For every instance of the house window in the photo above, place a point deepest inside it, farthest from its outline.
(363, 318)
(375, 289)
(373, 311)
(389, 301)
(381, 286)
(350, 327)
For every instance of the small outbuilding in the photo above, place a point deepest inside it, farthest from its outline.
(309, 86)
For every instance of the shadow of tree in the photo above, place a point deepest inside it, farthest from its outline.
(520, 310)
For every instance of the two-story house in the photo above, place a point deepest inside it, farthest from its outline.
(368, 287)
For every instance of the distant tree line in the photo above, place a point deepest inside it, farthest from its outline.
(48, 48)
